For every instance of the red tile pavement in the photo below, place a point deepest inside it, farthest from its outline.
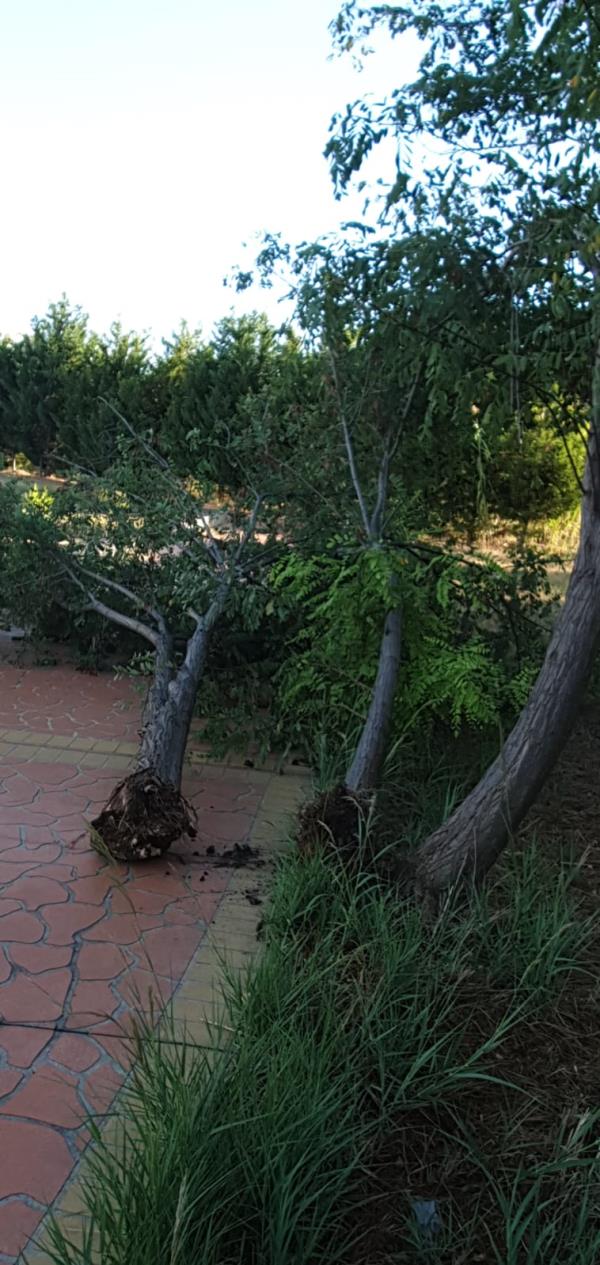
(83, 943)
(61, 701)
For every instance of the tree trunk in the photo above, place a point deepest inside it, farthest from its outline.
(146, 812)
(169, 710)
(365, 770)
(165, 731)
(471, 840)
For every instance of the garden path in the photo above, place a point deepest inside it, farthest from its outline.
(85, 944)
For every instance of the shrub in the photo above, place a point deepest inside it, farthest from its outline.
(535, 473)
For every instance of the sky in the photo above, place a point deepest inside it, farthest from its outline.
(144, 142)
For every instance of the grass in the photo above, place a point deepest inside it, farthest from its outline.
(375, 1068)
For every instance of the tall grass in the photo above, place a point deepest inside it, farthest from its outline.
(358, 1028)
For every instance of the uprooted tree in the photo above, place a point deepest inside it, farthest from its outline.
(134, 548)
(485, 270)
(508, 98)
(396, 344)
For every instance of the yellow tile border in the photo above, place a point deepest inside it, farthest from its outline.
(24, 745)
(196, 1004)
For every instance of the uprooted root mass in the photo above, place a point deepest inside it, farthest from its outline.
(142, 818)
(336, 818)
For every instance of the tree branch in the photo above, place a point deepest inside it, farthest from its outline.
(389, 450)
(250, 528)
(125, 592)
(349, 448)
(383, 479)
(115, 617)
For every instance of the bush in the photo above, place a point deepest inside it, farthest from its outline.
(535, 473)
(21, 462)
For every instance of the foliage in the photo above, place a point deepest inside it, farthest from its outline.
(507, 100)
(473, 637)
(536, 473)
(134, 541)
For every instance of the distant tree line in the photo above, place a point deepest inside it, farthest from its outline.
(65, 390)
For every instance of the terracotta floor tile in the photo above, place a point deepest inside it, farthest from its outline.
(102, 1085)
(91, 1002)
(22, 1045)
(101, 961)
(37, 958)
(75, 1052)
(18, 1223)
(65, 921)
(34, 1161)
(38, 854)
(131, 899)
(60, 804)
(49, 1097)
(8, 905)
(9, 1079)
(24, 1000)
(231, 827)
(10, 870)
(121, 928)
(17, 789)
(5, 967)
(168, 949)
(144, 990)
(34, 890)
(23, 927)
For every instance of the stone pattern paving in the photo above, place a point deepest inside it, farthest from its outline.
(85, 945)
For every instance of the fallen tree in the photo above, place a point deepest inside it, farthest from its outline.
(136, 549)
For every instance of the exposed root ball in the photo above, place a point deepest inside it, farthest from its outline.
(142, 818)
(335, 819)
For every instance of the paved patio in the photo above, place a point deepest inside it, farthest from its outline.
(84, 945)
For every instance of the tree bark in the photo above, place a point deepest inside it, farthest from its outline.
(365, 771)
(471, 840)
(169, 707)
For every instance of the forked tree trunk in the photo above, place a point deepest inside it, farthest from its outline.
(365, 770)
(168, 712)
(146, 812)
(471, 840)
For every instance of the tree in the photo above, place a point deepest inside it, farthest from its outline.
(55, 383)
(379, 318)
(135, 548)
(33, 378)
(511, 91)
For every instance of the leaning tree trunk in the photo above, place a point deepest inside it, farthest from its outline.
(471, 840)
(146, 812)
(168, 713)
(335, 818)
(365, 770)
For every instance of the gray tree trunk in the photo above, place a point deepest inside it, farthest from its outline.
(169, 708)
(473, 837)
(365, 771)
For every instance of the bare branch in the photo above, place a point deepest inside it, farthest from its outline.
(349, 448)
(197, 645)
(383, 479)
(115, 617)
(125, 592)
(250, 528)
(389, 450)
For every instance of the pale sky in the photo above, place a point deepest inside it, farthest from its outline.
(143, 141)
